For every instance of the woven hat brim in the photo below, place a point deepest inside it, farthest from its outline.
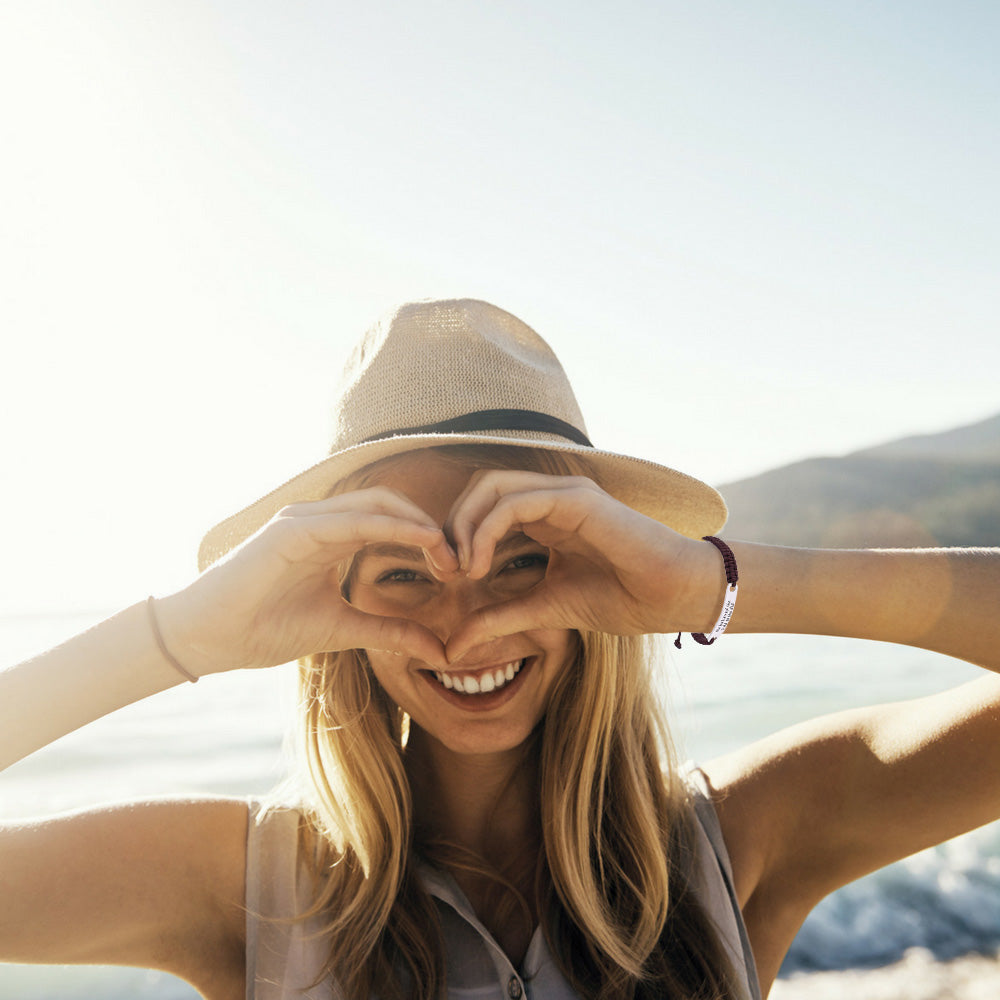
(681, 502)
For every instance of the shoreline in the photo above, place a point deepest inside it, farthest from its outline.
(917, 976)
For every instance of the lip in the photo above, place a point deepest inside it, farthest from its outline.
(481, 702)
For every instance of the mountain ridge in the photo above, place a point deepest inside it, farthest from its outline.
(925, 489)
(968, 441)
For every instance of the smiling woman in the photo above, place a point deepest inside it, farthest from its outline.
(471, 739)
(491, 806)
(506, 682)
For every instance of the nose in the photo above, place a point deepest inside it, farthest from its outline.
(454, 602)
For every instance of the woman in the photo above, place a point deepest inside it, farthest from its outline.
(492, 808)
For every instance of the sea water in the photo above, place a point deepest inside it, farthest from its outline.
(225, 735)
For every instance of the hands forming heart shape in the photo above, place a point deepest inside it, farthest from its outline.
(610, 569)
(281, 595)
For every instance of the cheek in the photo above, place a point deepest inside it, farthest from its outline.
(389, 670)
(400, 602)
(560, 645)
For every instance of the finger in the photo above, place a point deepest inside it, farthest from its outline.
(393, 635)
(430, 539)
(441, 557)
(377, 499)
(481, 494)
(332, 537)
(497, 620)
(461, 520)
(308, 545)
(536, 513)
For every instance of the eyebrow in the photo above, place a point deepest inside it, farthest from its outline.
(409, 553)
(391, 550)
(514, 541)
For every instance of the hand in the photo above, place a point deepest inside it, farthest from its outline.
(278, 596)
(611, 569)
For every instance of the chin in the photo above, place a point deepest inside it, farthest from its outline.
(467, 742)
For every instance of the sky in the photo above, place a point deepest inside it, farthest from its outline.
(752, 231)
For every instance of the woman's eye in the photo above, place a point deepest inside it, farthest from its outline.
(529, 560)
(401, 576)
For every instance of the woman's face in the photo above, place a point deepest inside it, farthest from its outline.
(493, 698)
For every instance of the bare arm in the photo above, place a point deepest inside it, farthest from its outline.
(614, 570)
(273, 600)
(151, 884)
(944, 600)
(815, 806)
(827, 801)
(109, 666)
(160, 884)
(821, 803)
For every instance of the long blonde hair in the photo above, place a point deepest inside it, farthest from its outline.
(612, 881)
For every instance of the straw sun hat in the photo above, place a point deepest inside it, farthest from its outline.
(465, 372)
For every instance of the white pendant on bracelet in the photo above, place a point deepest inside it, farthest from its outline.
(728, 605)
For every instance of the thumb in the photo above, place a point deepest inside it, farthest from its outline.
(392, 635)
(520, 614)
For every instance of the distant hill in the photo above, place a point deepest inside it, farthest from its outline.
(931, 489)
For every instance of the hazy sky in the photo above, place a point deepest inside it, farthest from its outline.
(753, 231)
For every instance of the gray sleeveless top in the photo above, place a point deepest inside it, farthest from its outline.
(285, 956)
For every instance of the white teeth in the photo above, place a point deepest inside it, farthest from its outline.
(484, 683)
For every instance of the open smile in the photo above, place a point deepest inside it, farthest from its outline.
(483, 688)
(485, 682)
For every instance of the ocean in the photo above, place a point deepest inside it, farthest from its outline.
(225, 735)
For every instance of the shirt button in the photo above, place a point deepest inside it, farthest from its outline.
(514, 988)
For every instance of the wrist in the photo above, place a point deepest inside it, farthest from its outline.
(729, 596)
(178, 635)
(154, 626)
(696, 609)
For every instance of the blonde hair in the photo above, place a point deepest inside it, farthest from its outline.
(612, 883)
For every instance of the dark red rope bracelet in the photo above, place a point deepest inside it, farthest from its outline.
(729, 601)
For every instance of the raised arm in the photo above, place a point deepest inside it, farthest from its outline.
(275, 599)
(112, 665)
(829, 800)
(161, 884)
(612, 569)
(946, 600)
(826, 801)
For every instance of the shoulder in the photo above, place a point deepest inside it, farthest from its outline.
(152, 883)
(764, 793)
(199, 846)
(288, 902)
(758, 813)
(823, 802)
(181, 837)
(280, 843)
(787, 817)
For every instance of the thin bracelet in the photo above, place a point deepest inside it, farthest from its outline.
(158, 635)
(729, 599)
